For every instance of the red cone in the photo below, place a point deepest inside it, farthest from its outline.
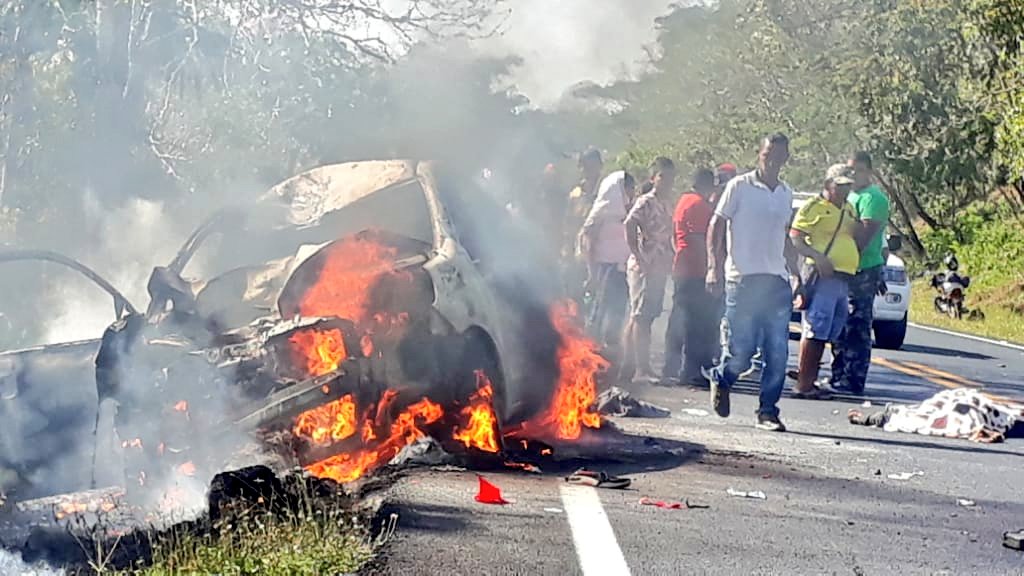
(489, 493)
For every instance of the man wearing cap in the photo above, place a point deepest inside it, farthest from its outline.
(852, 352)
(725, 172)
(823, 233)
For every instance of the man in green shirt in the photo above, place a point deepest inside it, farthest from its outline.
(852, 352)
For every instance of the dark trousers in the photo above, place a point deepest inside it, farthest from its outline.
(692, 338)
(851, 353)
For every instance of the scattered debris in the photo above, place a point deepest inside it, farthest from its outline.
(617, 402)
(878, 472)
(685, 505)
(834, 412)
(554, 510)
(598, 479)
(755, 494)
(695, 412)
(866, 404)
(524, 466)
(1013, 540)
(966, 503)
(424, 451)
(905, 475)
(488, 493)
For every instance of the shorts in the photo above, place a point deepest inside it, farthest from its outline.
(646, 293)
(826, 314)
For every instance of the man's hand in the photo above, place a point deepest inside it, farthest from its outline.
(883, 288)
(713, 282)
(825, 267)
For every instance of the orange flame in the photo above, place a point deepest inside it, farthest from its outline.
(578, 365)
(328, 423)
(404, 431)
(350, 269)
(321, 351)
(181, 406)
(187, 469)
(480, 429)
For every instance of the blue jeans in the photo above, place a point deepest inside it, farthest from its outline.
(757, 312)
(826, 314)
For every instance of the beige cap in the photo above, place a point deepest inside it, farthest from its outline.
(839, 174)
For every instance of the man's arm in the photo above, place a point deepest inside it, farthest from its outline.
(864, 231)
(633, 235)
(798, 246)
(716, 253)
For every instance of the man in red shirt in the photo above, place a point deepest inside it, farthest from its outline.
(692, 325)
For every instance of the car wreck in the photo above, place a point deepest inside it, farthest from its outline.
(346, 313)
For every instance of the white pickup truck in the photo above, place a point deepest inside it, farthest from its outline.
(890, 325)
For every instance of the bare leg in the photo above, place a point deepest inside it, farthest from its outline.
(810, 363)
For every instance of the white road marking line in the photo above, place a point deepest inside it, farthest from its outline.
(596, 547)
(1002, 343)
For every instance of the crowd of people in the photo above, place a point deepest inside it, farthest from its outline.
(740, 262)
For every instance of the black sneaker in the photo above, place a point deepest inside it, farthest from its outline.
(770, 423)
(719, 393)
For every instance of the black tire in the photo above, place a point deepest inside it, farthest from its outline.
(890, 335)
(939, 308)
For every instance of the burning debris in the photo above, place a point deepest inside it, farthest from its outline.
(337, 356)
(369, 432)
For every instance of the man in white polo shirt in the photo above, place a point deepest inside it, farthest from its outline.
(750, 256)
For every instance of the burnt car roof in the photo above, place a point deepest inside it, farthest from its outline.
(308, 197)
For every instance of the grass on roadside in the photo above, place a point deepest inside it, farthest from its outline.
(269, 546)
(318, 535)
(1000, 322)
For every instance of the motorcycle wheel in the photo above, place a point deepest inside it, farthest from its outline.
(939, 307)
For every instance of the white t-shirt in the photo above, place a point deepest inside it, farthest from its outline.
(758, 226)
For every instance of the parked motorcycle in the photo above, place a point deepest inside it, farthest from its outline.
(950, 287)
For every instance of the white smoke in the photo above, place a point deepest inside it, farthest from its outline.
(133, 239)
(11, 565)
(564, 43)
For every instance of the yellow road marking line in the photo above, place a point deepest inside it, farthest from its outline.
(943, 374)
(893, 365)
(938, 377)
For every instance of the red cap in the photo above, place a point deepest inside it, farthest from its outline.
(727, 167)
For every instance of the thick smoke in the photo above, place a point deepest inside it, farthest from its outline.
(443, 102)
(562, 44)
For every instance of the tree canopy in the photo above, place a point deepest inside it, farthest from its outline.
(189, 105)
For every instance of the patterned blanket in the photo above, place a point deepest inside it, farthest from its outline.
(960, 413)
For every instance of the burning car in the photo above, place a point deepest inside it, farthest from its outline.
(349, 309)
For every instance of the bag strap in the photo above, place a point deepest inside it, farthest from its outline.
(842, 216)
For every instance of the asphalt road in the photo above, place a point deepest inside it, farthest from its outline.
(830, 506)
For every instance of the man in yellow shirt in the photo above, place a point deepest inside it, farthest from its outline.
(823, 232)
